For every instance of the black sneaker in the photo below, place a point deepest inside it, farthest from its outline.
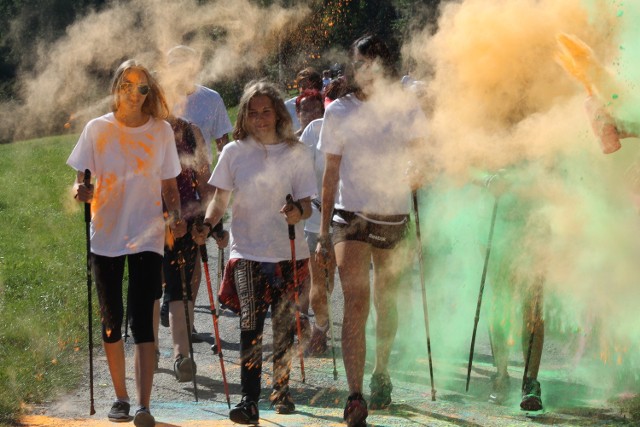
(282, 402)
(195, 336)
(499, 389)
(143, 418)
(184, 368)
(245, 412)
(531, 396)
(119, 412)
(164, 314)
(355, 412)
(381, 388)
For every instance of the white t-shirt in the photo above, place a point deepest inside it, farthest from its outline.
(310, 137)
(373, 140)
(260, 177)
(291, 108)
(205, 108)
(128, 165)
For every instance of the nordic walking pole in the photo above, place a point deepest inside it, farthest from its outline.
(414, 195)
(482, 281)
(333, 341)
(183, 279)
(215, 315)
(87, 222)
(292, 242)
(219, 275)
(533, 332)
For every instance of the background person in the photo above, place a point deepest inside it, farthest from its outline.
(131, 154)
(309, 106)
(518, 284)
(318, 292)
(195, 193)
(307, 78)
(204, 108)
(264, 164)
(326, 78)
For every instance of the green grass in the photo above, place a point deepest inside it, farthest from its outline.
(233, 114)
(43, 295)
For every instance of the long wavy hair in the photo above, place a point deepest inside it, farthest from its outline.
(284, 127)
(155, 103)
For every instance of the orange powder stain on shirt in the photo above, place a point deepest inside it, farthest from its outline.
(106, 188)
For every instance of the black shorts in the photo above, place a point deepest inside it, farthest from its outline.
(186, 247)
(380, 231)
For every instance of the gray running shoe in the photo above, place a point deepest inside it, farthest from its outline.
(119, 412)
(184, 368)
(499, 389)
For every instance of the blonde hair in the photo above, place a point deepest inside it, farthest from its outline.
(284, 126)
(155, 103)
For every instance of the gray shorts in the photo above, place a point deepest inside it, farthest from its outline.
(381, 236)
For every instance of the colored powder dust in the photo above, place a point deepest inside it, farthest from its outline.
(567, 215)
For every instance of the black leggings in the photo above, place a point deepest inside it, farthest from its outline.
(144, 281)
(253, 280)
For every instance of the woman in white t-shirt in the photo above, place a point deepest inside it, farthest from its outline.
(132, 157)
(367, 145)
(261, 167)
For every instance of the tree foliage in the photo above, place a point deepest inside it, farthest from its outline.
(319, 41)
(24, 24)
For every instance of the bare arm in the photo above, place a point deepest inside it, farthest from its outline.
(202, 169)
(171, 197)
(330, 180)
(325, 256)
(217, 206)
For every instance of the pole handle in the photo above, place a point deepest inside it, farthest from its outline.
(87, 206)
(292, 228)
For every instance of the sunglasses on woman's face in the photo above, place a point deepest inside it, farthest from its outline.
(128, 87)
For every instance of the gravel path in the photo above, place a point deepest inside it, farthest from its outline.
(320, 400)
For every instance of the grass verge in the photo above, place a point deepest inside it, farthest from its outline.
(43, 294)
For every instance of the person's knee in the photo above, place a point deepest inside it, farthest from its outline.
(111, 335)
